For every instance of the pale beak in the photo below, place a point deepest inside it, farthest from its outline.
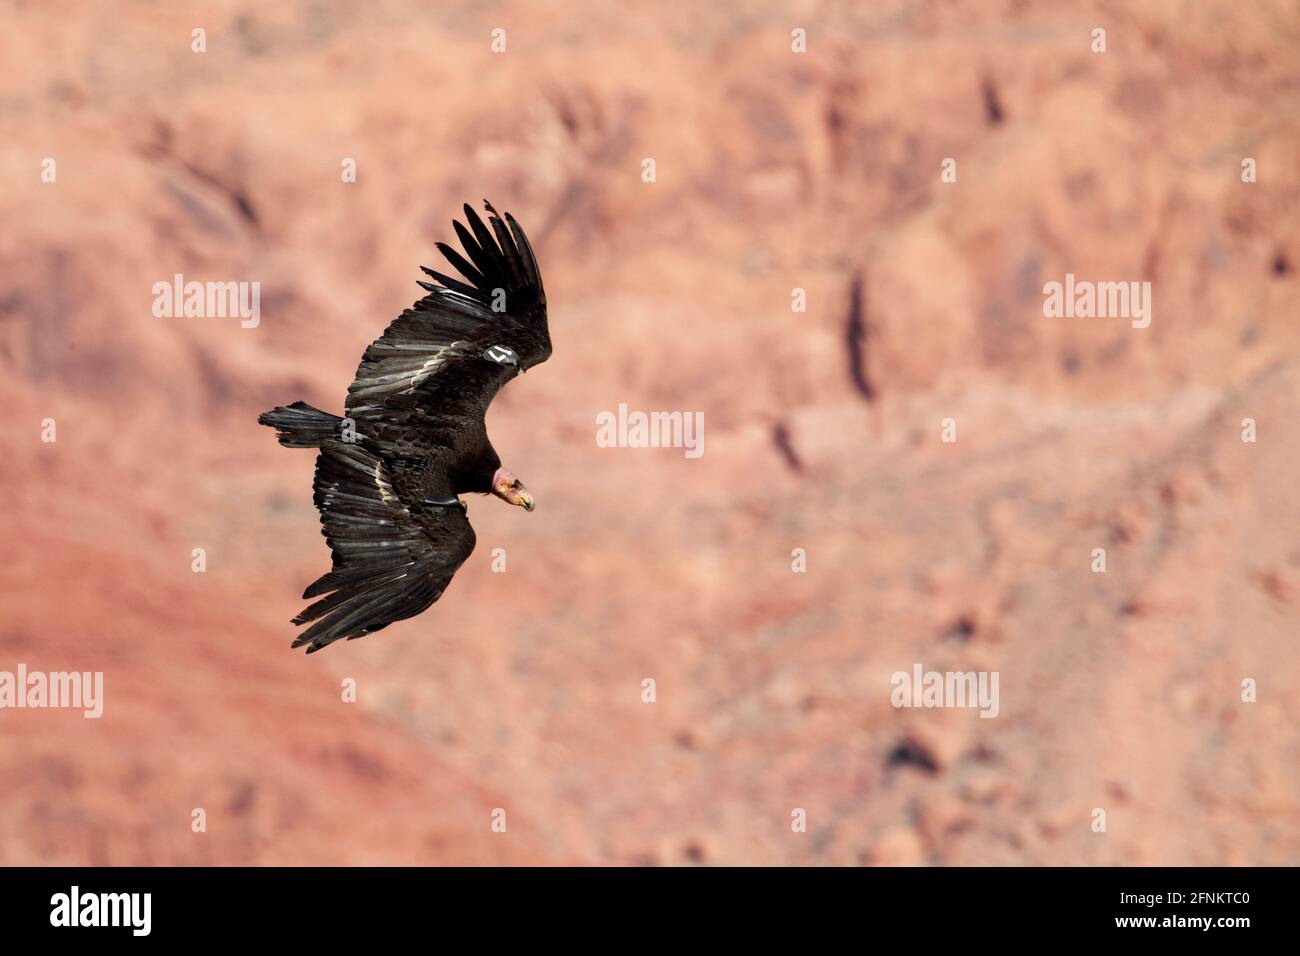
(511, 490)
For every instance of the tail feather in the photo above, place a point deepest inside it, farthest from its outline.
(300, 425)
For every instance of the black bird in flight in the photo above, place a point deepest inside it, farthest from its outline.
(412, 439)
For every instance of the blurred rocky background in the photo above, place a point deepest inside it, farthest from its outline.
(775, 171)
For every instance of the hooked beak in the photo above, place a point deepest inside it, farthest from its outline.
(511, 490)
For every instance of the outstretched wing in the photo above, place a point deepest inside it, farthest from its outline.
(390, 561)
(451, 352)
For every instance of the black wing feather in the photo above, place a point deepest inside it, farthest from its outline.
(475, 277)
(433, 352)
(477, 255)
(447, 281)
(391, 561)
(486, 243)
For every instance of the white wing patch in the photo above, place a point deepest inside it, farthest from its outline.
(400, 373)
(373, 468)
(422, 343)
(386, 493)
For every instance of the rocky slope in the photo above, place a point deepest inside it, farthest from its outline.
(774, 171)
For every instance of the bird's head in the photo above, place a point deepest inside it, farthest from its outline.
(511, 490)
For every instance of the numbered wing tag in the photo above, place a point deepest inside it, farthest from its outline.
(502, 355)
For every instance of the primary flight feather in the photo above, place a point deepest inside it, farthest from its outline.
(412, 440)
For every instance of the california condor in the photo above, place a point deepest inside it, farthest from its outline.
(390, 473)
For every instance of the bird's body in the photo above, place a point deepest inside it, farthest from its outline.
(413, 438)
